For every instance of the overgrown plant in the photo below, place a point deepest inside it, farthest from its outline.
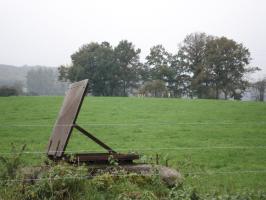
(11, 163)
(112, 161)
(62, 181)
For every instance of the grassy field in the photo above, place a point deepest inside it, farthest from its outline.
(217, 145)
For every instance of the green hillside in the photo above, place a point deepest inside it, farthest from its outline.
(217, 145)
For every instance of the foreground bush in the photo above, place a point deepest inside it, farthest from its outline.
(10, 165)
(64, 181)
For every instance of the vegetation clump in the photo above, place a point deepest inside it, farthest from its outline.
(6, 91)
(65, 181)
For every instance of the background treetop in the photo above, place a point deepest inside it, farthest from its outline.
(204, 66)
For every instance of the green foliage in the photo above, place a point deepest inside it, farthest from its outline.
(204, 67)
(111, 71)
(190, 193)
(155, 88)
(61, 181)
(10, 164)
(127, 60)
(191, 58)
(166, 74)
(121, 185)
(217, 65)
(184, 193)
(159, 62)
(227, 63)
(6, 91)
(112, 161)
(65, 181)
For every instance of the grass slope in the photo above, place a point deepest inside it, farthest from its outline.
(221, 142)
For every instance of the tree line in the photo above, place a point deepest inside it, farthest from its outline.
(38, 81)
(44, 81)
(204, 66)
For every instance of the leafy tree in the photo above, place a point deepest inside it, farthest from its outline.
(166, 67)
(111, 71)
(179, 79)
(155, 88)
(63, 73)
(95, 62)
(191, 56)
(159, 62)
(227, 63)
(204, 67)
(127, 58)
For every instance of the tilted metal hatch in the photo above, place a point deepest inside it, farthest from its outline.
(65, 123)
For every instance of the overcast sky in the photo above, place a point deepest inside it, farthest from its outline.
(47, 32)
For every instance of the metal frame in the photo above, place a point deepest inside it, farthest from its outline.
(64, 125)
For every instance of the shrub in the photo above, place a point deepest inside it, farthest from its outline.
(62, 181)
(65, 181)
(10, 164)
(8, 91)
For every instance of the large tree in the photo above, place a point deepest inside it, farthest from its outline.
(127, 58)
(228, 63)
(111, 71)
(191, 56)
(179, 79)
(165, 67)
(159, 62)
(95, 62)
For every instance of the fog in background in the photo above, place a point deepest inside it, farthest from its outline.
(47, 32)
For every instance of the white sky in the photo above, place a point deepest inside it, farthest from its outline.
(47, 32)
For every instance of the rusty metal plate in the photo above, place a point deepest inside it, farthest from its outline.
(104, 157)
(66, 118)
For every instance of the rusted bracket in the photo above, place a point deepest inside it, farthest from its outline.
(92, 137)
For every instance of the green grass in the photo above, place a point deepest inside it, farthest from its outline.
(187, 132)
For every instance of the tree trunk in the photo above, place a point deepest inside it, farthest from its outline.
(124, 88)
(217, 93)
(225, 95)
(199, 95)
(262, 94)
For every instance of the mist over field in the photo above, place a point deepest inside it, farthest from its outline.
(133, 100)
